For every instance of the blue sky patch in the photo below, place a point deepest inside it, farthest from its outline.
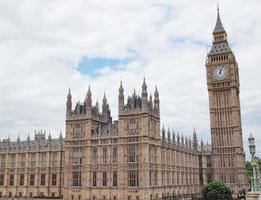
(90, 66)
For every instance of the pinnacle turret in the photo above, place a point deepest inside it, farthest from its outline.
(69, 94)
(89, 93)
(88, 99)
(163, 135)
(173, 137)
(169, 139)
(69, 104)
(144, 89)
(121, 90)
(195, 140)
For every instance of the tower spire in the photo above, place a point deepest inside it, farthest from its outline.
(219, 27)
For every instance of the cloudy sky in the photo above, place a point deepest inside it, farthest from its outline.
(48, 46)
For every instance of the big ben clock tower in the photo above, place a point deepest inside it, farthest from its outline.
(228, 160)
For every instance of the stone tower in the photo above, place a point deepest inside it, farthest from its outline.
(139, 125)
(225, 119)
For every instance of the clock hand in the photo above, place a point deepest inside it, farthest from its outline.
(221, 70)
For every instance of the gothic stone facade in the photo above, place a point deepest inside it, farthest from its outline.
(131, 158)
(128, 159)
(32, 168)
(101, 159)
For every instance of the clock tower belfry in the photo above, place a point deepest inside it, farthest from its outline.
(228, 159)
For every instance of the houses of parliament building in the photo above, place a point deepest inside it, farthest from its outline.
(133, 158)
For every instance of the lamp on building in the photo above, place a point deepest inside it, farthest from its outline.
(255, 177)
(252, 146)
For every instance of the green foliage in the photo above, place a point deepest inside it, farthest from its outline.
(249, 171)
(217, 190)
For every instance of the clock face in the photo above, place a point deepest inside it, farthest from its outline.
(220, 72)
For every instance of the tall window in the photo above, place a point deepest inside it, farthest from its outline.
(21, 180)
(114, 179)
(42, 179)
(22, 161)
(55, 159)
(77, 156)
(2, 161)
(76, 178)
(33, 160)
(13, 160)
(94, 178)
(54, 177)
(104, 178)
(115, 155)
(11, 179)
(78, 131)
(43, 160)
(31, 179)
(132, 153)
(133, 178)
(94, 155)
(105, 154)
(132, 128)
(156, 178)
(2, 178)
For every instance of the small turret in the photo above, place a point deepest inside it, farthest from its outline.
(163, 135)
(144, 89)
(190, 143)
(18, 140)
(173, 138)
(88, 99)
(144, 96)
(186, 142)
(49, 137)
(156, 99)
(106, 114)
(195, 140)
(104, 104)
(28, 138)
(219, 33)
(178, 139)
(69, 103)
(97, 107)
(133, 99)
(201, 145)
(182, 141)
(150, 102)
(169, 140)
(121, 98)
(28, 141)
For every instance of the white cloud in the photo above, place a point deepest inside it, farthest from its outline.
(42, 42)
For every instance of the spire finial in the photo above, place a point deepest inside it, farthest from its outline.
(89, 93)
(144, 88)
(144, 85)
(121, 88)
(69, 94)
(219, 27)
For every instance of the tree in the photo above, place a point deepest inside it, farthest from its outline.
(217, 190)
